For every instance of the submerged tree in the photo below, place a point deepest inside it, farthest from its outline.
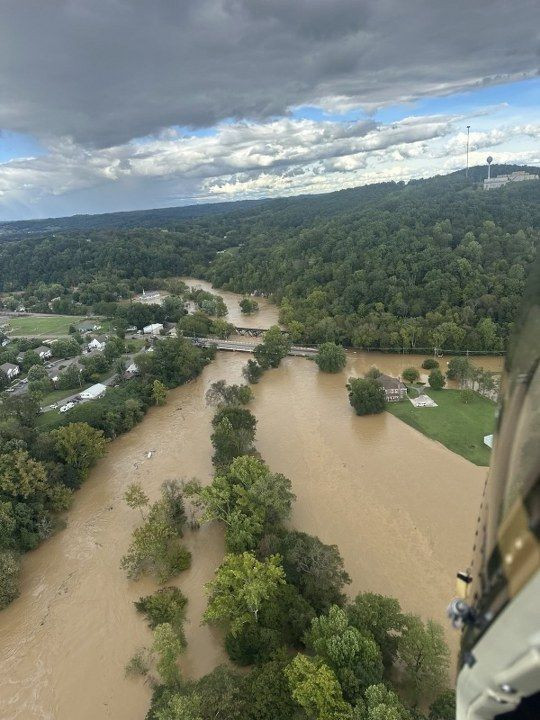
(331, 357)
(274, 347)
(366, 396)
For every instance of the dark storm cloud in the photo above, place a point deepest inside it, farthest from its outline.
(105, 71)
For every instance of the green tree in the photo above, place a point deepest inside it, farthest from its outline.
(168, 646)
(241, 584)
(30, 359)
(467, 396)
(220, 394)
(36, 372)
(444, 707)
(424, 658)
(331, 357)
(274, 347)
(373, 373)
(381, 618)
(9, 577)
(436, 380)
(269, 692)
(224, 695)
(316, 689)
(430, 364)
(354, 657)
(311, 566)
(460, 369)
(167, 605)
(252, 371)
(248, 305)
(136, 498)
(159, 392)
(233, 435)
(37, 389)
(180, 707)
(381, 703)
(410, 374)
(155, 547)
(79, 445)
(248, 499)
(366, 396)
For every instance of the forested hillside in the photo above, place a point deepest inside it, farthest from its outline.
(435, 262)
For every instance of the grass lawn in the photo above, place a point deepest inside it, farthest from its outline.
(43, 326)
(460, 427)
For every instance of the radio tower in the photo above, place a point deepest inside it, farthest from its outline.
(467, 170)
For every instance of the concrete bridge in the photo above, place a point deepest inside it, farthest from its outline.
(239, 346)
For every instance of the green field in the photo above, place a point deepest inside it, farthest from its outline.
(460, 427)
(42, 326)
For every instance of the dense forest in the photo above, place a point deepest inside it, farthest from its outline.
(431, 263)
(434, 263)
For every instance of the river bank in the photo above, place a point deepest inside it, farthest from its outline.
(400, 507)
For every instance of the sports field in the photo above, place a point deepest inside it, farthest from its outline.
(34, 326)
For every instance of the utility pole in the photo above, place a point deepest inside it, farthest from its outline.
(467, 170)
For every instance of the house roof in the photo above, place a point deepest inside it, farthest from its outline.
(42, 348)
(8, 366)
(390, 383)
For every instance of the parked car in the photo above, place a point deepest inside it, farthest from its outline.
(67, 407)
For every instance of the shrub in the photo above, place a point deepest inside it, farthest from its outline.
(410, 374)
(167, 605)
(436, 380)
(430, 364)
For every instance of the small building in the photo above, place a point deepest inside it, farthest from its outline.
(43, 351)
(131, 371)
(88, 326)
(153, 297)
(94, 391)
(394, 389)
(153, 329)
(10, 370)
(97, 344)
(488, 440)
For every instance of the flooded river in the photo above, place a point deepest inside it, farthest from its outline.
(266, 315)
(400, 507)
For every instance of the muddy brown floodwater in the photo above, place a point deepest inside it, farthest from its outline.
(266, 315)
(400, 507)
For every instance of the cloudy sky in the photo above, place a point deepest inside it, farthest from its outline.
(126, 104)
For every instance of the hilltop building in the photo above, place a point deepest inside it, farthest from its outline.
(492, 183)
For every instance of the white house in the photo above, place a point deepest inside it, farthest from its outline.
(153, 329)
(94, 392)
(44, 352)
(10, 370)
(97, 344)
